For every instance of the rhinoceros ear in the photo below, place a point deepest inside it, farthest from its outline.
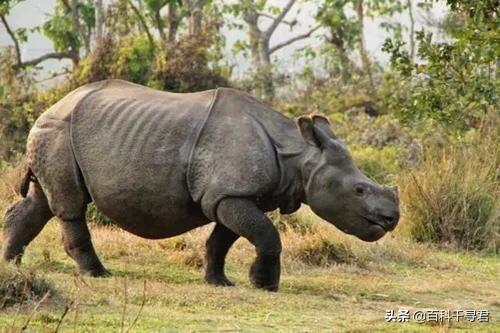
(306, 128)
(313, 134)
(323, 123)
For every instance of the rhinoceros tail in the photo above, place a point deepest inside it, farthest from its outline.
(28, 177)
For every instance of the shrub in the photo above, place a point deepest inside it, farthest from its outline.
(134, 59)
(185, 67)
(21, 286)
(453, 197)
(294, 222)
(319, 251)
(96, 66)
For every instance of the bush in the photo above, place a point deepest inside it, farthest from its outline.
(322, 252)
(21, 286)
(134, 59)
(453, 197)
(96, 66)
(185, 67)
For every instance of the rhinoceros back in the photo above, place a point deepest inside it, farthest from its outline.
(132, 145)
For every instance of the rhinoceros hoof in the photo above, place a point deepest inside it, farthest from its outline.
(218, 280)
(101, 272)
(264, 276)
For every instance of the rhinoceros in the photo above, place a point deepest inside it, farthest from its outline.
(159, 164)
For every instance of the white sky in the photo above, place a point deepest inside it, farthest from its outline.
(31, 13)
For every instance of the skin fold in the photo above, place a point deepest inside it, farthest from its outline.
(160, 164)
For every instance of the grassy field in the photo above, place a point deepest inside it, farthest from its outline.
(330, 283)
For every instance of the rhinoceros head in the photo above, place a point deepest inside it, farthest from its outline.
(338, 191)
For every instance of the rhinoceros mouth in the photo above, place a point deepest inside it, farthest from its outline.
(375, 222)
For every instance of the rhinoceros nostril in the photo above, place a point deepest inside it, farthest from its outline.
(390, 219)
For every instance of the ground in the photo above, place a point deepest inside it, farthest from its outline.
(330, 283)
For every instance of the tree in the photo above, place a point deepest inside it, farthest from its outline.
(174, 18)
(259, 38)
(411, 17)
(342, 32)
(360, 12)
(99, 19)
(68, 50)
(195, 9)
(456, 84)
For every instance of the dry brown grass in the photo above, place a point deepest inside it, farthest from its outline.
(453, 197)
(10, 175)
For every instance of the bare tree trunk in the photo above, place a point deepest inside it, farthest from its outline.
(362, 48)
(254, 36)
(77, 26)
(266, 71)
(99, 19)
(159, 26)
(337, 40)
(173, 23)
(195, 17)
(412, 30)
(260, 49)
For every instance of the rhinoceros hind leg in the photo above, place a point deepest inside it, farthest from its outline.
(244, 218)
(218, 245)
(23, 222)
(78, 245)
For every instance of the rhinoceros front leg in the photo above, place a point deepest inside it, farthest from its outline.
(218, 245)
(244, 218)
(78, 245)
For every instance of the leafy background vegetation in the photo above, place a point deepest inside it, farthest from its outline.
(428, 121)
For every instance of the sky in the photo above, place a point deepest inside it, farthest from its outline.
(32, 13)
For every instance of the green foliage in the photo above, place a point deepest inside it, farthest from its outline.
(156, 5)
(6, 6)
(380, 164)
(59, 29)
(133, 59)
(456, 82)
(86, 10)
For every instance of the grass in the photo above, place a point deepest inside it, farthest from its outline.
(453, 196)
(330, 283)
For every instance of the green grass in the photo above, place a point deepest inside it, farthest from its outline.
(166, 276)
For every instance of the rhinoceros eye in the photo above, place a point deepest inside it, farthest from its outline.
(359, 189)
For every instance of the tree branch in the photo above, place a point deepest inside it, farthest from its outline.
(274, 18)
(278, 19)
(293, 40)
(143, 23)
(13, 37)
(51, 55)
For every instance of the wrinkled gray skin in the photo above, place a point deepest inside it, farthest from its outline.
(160, 164)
